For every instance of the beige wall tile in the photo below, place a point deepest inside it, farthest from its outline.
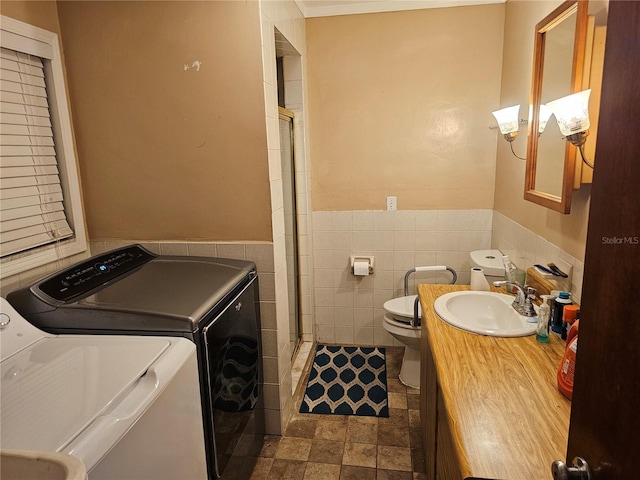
(269, 343)
(174, 248)
(268, 315)
(271, 396)
(272, 420)
(232, 250)
(270, 370)
(267, 287)
(202, 249)
(528, 248)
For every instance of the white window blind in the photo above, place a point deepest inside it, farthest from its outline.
(31, 201)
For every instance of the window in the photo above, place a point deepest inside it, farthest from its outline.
(41, 217)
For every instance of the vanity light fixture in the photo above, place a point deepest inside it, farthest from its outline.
(508, 123)
(543, 117)
(572, 114)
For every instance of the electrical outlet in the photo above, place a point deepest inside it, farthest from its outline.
(392, 203)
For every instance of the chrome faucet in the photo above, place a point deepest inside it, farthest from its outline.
(523, 303)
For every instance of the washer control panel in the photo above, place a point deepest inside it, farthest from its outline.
(89, 274)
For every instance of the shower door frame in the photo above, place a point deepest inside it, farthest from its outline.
(289, 116)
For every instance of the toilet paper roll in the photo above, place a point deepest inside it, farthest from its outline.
(478, 280)
(361, 267)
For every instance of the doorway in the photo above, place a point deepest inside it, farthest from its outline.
(287, 162)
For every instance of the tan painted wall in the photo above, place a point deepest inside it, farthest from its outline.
(566, 231)
(40, 14)
(399, 104)
(168, 153)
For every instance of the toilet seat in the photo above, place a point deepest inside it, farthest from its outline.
(404, 323)
(401, 308)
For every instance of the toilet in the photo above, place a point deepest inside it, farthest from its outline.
(397, 321)
(490, 261)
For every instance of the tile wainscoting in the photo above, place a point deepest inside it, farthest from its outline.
(349, 309)
(526, 248)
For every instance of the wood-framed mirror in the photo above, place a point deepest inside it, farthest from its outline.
(558, 58)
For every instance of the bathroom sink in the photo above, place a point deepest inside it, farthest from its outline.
(485, 313)
(27, 465)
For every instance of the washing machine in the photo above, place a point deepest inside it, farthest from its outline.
(128, 407)
(213, 302)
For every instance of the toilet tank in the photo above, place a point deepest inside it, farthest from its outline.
(490, 261)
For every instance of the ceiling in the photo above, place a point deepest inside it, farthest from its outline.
(325, 8)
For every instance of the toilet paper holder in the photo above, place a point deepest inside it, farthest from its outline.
(362, 258)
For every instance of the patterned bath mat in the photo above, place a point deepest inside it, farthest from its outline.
(347, 381)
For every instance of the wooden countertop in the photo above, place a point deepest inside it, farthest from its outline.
(508, 419)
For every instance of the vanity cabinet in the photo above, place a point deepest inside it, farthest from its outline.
(428, 404)
(440, 456)
(489, 406)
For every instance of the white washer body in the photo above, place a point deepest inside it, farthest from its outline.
(128, 407)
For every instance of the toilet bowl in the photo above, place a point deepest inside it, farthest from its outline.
(397, 321)
(402, 321)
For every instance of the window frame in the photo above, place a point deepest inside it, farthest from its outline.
(29, 39)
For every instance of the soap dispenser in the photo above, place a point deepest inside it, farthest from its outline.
(542, 330)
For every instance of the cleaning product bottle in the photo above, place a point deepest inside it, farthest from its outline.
(567, 367)
(570, 314)
(544, 313)
(557, 307)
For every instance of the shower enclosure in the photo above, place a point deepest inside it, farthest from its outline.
(290, 223)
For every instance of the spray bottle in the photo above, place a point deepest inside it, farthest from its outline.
(566, 369)
(542, 330)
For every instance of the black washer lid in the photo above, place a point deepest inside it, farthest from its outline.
(167, 286)
(131, 289)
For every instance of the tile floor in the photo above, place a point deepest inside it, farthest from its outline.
(343, 447)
